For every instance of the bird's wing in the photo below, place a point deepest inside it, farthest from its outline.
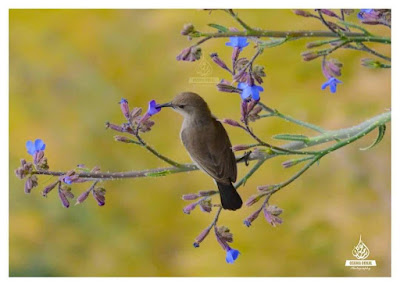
(211, 150)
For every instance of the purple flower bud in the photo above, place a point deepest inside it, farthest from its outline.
(207, 193)
(309, 56)
(136, 111)
(302, 13)
(201, 237)
(63, 198)
(243, 110)
(252, 200)
(252, 104)
(218, 61)
(37, 157)
(114, 127)
(329, 13)
(370, 63)
(27, 168)
(184, 54)
(146, 125)
(124, 108)
(241, 76)
(19, 172)
(289, 163)
(235, 54)
(28, 185)
(189, 197)
(253, 115)
(231, 122)
(225, 86)
(124, 139)
(332, 68)
(82, 197)
(240, 147)
(189, 208)
(99, 195)
(251, 218)
(48, 188)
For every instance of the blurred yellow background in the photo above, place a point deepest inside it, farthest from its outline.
(68, 70)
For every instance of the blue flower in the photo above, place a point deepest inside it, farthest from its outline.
(67, 180)
(360, 15)
(237, 42)
(123, 100)
(332, 82)
(153, 108)
(33, 148)
(231, 255)
(250, 90)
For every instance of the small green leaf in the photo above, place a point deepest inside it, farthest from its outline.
(158, 174)
(291, 137)
(382, 129)
(219, 28)
(272, 43)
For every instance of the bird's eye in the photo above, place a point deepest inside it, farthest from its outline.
(181, 106)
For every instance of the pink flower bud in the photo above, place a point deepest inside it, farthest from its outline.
(189, 208)
(189, 197)
(82, 197)
(231, 122)
(201, 237)
(124, 108)
(252, 200)
(240, 147)
(251, 218)
(49, 188)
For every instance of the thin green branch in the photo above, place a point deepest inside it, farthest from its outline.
(328, 136)
(371, 51)
(240, 21)
(156, 153)
(274, 112)
(351, 36)
(361, 133)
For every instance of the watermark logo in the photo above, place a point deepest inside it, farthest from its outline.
(361, 252)
(204, 72)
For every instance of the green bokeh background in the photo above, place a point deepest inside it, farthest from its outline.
(68, 70)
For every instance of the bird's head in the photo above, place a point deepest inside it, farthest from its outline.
(188, 104)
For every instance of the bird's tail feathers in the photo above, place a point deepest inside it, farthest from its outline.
(230, 198)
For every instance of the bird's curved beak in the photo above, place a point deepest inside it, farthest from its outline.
(168, 104)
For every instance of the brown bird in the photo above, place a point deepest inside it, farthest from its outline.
(208, 145)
